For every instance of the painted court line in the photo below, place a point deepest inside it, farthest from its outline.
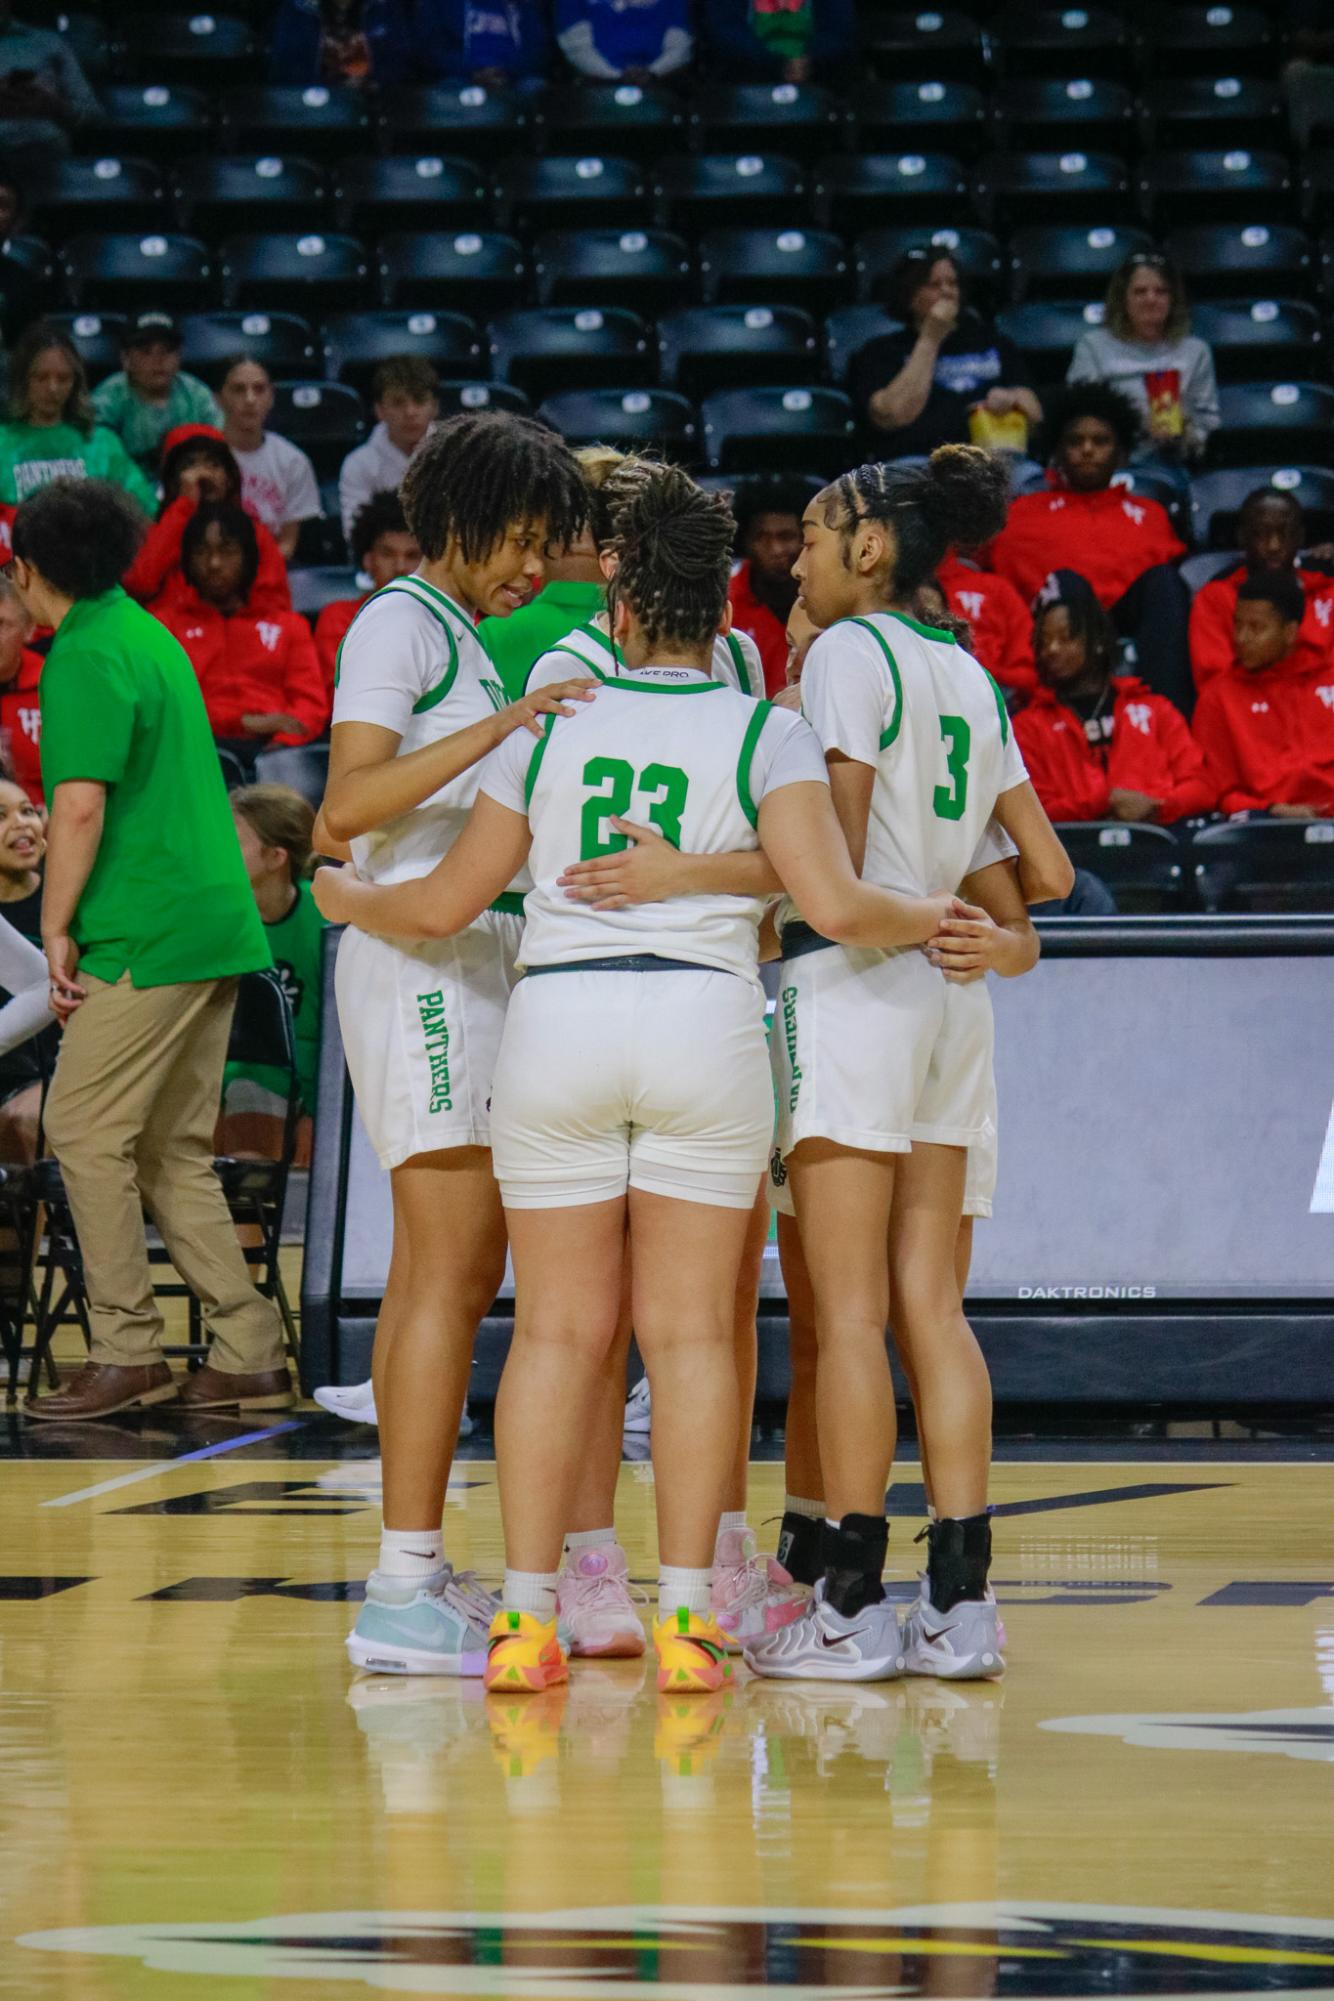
(165, 1465)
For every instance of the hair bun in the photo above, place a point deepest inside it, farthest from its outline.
(966, 493)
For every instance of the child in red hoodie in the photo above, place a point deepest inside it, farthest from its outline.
(1122, 542)
(1099, 746)
(198, 465)
(1271, 529)
(1266, 726)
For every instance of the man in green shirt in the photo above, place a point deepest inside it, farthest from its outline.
(152, 394)
(147, 921)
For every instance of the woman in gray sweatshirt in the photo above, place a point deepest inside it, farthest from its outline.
(1145, 348)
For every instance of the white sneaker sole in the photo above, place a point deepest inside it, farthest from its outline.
(373, 1657)
(942, 1666)
(623, 1646)
(824, 1668)
(351, 1413)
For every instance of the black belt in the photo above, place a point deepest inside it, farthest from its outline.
(797, 939)
(633, 962)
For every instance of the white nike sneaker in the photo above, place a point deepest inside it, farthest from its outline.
(826, 1646)
(639, 1408)
(356, 1403)
(963, 1644)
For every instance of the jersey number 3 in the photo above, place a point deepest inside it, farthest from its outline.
(612, 782)
(949, 800)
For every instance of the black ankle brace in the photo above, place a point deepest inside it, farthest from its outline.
(958, 1559)
(854, 1557)
(801, 1548)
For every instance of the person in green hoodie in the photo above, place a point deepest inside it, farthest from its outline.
(53, 431)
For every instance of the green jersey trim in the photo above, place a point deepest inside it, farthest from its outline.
(681, 687)
(888, 736)
(447, 680)
(935, 632)
(1001, 709)
(510, 901)
(441, 597)
(746, 757)
(535, 761)
(742, 665)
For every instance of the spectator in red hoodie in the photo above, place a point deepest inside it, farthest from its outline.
(997, 617)
(384, 547)
(1271, 529)
(1122, 542)
(259, 672)
(1266, 725)
(20, 715)
(1099, 746)
(763, 590)
(198, 465)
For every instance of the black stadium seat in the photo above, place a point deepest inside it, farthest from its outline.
(1318, 186)
(326, 419)
(1074, 186)
(98, 337)
(410, 190)
(553, 348)
(1213, 110)
(133, 272)
(855, 192)
(646, 269)
(1216, 498)
(71, 196)
(220, 195)
(703, 348)
(846, 333)
(802, 120)
(191, 46)
(315, 585)
(926, 114)
(282, 341)
(602, 190)
(640, 120)
(1036, 40)
(694, 192)
(757, 429)
(653, 420)
(1273, 419)
(1218, 258)
(1062, 259)
(1264, 865)
(976, 252)
(1254, 341)
(151, 121)
(463, 118)
(809, 267)
(1197, 571)
(1052, 112)
(314, 122)
(356, 343)
(1207, 40)
(457, 397)
(473, 271)
(1201, 185)
(1045, 332)
(1142, 865)
(27, 282)
(931, 42)
(308, 273)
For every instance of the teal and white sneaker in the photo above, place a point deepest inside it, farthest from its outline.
(963, 1644)
(411, 1628)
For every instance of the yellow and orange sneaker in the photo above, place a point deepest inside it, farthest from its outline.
(692, 1653)
(523, 1652)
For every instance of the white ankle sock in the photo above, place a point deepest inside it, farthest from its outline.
(411, 1553)
(589, 1539)
(677, 1587)
(531, 1591)
(794, 1505)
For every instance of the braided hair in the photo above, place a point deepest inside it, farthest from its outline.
(478, 474)
(675, 547)
(958, 496)
(611, 476)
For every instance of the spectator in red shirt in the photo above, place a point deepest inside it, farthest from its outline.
(1266, 726)
(763, 590)
(259, 672)
(20, 714)
(997, 617)
(1099, 746)
(1271, 528)
(1122, 542)
(384, 547)
(198, 465)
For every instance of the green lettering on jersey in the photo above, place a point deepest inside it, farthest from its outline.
(949, 800)
(495, 694)
(613, 781)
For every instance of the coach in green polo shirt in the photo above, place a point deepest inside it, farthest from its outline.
(147, 921)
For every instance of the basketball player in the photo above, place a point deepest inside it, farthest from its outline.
(415, 710)
(656, 1122)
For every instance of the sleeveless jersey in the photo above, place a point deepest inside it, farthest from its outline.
(908, 700)
(588, 649)
(411, 662)
(672, 749)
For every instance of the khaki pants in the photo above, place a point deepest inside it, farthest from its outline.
(130, 1118)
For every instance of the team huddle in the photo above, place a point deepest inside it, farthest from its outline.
(551, 1008)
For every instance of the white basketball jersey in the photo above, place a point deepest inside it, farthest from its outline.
(907, 699)
(412, 662)
(669, 748)
(736, 660)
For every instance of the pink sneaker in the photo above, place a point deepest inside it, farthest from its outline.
(752, 1594)
(594, 1605)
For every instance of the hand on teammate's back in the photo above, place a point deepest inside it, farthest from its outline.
(649, 870)
(528, 711)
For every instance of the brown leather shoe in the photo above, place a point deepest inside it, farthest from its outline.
(218, 1389)
(100, 1388)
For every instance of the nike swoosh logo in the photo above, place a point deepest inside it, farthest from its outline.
(856, 1634)
(927, 1633)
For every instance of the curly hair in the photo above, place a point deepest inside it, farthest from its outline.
(675, 547)
(1093, 399)
(478, 474)
(958, 496)
(42, 335)
(236, 526)
(382, 515)
(80, 535)
(754, 497)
